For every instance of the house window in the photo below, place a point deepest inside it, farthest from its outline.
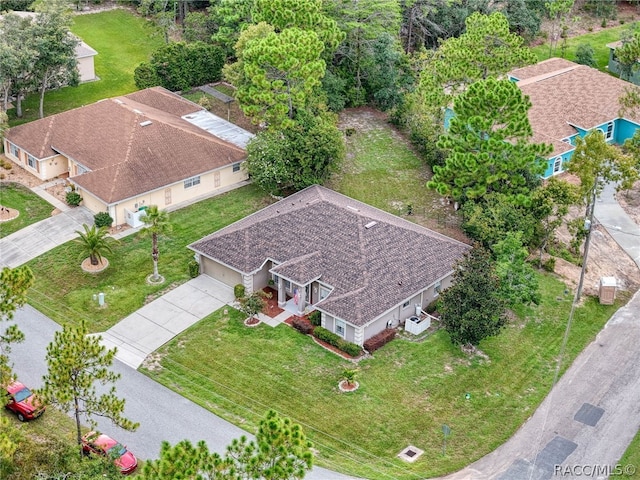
(437, 288)
(609, 134)
(324, 292)
(80, 170)
(340, 328)
(191, 182)
(287, 285)
(557, 165)
(236, 167)
(31, 160)
(406, 304)
(15, 151)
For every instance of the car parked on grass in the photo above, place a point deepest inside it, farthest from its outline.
(20, 400)
(100, 444)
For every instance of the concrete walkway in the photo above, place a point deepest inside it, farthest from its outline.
(153, 325)
(40, 237)
(619, 225)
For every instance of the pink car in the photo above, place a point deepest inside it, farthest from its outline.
(100, 444)
(22, 402)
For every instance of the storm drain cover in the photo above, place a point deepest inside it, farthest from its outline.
(410, 454)
(589, 414)
(554, 453)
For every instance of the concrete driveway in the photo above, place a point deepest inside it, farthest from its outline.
(150, 327)
(38, 238)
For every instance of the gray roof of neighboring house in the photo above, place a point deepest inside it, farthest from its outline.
(373, 260)
(131, 144)
(565, 95)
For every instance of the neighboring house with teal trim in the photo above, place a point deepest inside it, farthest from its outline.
(569, 100)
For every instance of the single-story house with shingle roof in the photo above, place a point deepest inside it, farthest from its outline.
(364, 269)
(569, 100)
(125, 153)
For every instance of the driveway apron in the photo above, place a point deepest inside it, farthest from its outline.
(38, 238)
(153, 325)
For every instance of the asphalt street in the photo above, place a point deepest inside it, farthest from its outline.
(162, 414)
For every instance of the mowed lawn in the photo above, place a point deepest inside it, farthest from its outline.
(65, 293)
(597, 40)
(123, 40)
(408, 390)
(32, 208)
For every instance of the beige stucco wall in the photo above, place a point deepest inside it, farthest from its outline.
(170, 196)
(329, 323)
(86, 69)
(45, 169)
(220, 272)
(261, 279)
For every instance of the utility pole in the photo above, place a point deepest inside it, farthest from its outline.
(588, 224)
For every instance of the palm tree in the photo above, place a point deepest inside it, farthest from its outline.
(94, 242)
(157, 222)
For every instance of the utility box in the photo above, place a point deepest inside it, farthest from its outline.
(607, 293)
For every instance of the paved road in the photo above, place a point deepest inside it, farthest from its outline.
(163, 414)
(589, 418)
(619, 225)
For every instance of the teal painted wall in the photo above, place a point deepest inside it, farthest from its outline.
(551, 162)
(624, 130)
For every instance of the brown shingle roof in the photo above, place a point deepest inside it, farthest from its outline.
(124, 157)
(320, 233)
(573, 95)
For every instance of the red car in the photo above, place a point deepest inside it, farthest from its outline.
(22, 401)
(100, 444)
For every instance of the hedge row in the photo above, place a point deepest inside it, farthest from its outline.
(379, 340)
(337, 341)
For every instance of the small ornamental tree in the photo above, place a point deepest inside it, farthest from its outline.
(252, 304)
(157, 223)
(472, 308)
(75, 362)
(95, 242)
(518, 281)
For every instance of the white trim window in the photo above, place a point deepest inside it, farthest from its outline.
(32, 161)
(609, 133)
(406, 304)
(340, 328)
(324, 292)
(192, 182)
(15, 151)
(236, 167)
(557, 165)
(437, 288)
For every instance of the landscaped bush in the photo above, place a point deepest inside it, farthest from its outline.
(315, 318)
(239, 291)
(337, 341)
(73, 198)
(194, 269)
(302, 325)
(102, 219)
(379, 340)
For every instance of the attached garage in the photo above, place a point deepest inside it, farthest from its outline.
(220, 272)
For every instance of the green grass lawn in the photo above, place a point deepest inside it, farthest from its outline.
(122, 41)
(632, 457)
(407, 391)
(32, 208)
(65, 293)
(597, 40)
